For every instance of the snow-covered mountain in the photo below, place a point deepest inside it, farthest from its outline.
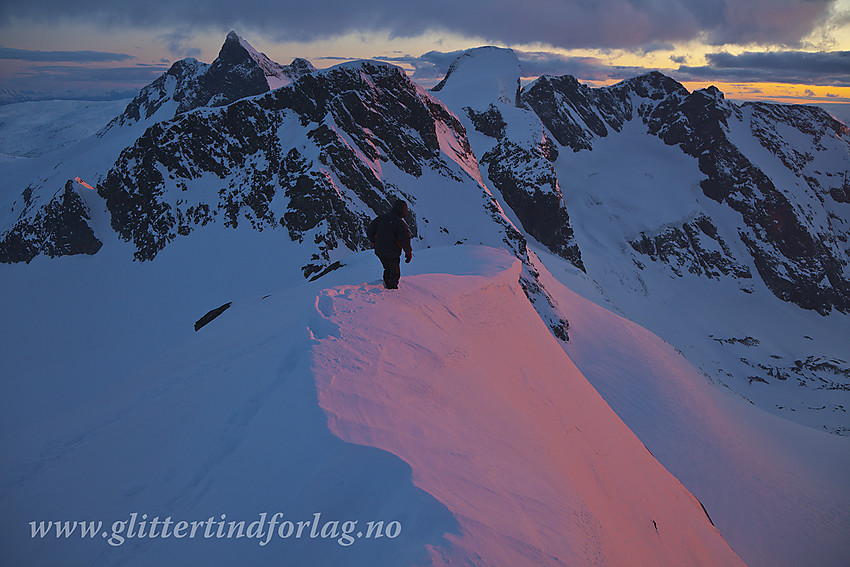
(710, 223)
(239, 71)
(9, 96)
(465, 407)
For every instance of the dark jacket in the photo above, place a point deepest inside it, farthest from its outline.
(389, 233)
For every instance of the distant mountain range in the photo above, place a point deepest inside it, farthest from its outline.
(11, 96)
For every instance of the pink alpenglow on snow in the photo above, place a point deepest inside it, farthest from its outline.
(777, 490)
(84, 184)
(459, 377)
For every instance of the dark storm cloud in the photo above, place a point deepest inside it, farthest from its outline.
(562, 23)
(62, 56)
(824, 68)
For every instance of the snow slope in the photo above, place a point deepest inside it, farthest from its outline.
(485, 446)
(223, 421)
(447, 407)
(32, 129)
(776, 490)
(458, 376)
(653, 247)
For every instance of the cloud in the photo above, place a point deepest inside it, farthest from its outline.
(655, 46)
(795, 67)
(428, 68)
(536, 63)
(177, 40)
(431, 67)
(831, 68)
(62, 56)
(563, 23)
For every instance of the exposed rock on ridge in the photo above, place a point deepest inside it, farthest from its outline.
(324, 186)
(59, 228)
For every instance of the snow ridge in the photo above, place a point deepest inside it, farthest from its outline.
(433, 375)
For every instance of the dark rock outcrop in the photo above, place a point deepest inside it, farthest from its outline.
(526, 179)
(60, 228)
(695, 247)
(362, 110)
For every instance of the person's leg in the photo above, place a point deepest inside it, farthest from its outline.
(395, 272)
(392, 271)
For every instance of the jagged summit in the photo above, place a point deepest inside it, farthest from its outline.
(277, 75)
(159, 100)
(653, 85)
(299, 67)
(239, 71)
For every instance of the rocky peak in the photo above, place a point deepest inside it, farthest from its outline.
(239, 71)
(697, 122)
(235, 49)
(712, 92)
(60, 228)
(236, 73)
(653, 85)
(298, 68)
(152, 102)
(574, 113)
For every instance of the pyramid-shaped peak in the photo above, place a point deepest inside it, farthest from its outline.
(236, 45)
(237, 51)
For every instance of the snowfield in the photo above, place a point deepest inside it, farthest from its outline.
(37, 128)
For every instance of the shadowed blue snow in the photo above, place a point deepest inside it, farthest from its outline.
(224, 421)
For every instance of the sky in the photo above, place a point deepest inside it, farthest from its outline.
(779, 50)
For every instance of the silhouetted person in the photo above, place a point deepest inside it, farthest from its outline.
(390, 235)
